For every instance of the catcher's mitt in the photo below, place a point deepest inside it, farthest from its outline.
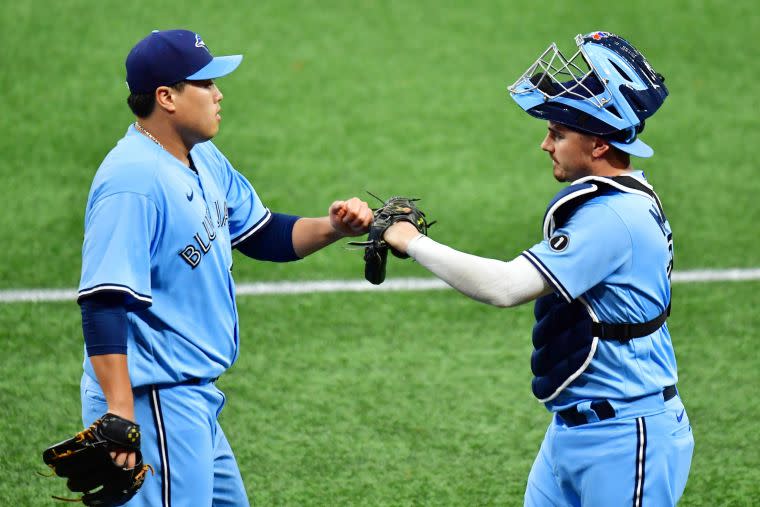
(395, 209)
(86, 461)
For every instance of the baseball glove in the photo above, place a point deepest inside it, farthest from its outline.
(86, 461)
(395, 209)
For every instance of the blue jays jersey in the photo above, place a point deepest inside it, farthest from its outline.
(162, 235)
(613, 254)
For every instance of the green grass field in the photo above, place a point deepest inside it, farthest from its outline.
(361, 400)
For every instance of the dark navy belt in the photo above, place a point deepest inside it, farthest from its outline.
(603, 409)
(198, 381)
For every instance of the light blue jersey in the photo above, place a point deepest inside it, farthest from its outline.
(614, 254)
(162, 235)
(603, 359)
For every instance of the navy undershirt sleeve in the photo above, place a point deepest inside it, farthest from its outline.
(273, 242)
(104, 324)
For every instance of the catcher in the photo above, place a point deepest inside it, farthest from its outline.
(394, 210)
(95, 461)
(603, 362)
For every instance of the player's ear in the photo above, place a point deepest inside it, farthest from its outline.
(600, 147)
(165, 98)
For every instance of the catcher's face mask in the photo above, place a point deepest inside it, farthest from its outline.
(606, 88)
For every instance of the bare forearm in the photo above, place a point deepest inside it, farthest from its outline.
(344, 218)
(113, 377)
(312, 234)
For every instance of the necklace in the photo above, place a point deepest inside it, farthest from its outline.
(148, 134)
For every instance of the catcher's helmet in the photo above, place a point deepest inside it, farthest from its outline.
(613, 98)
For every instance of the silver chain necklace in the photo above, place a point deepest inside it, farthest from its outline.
(150, 136)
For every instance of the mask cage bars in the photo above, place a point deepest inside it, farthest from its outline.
(553, 75)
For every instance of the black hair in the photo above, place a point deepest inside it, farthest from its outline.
(143, 104)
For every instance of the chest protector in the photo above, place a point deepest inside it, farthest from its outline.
(566, 334)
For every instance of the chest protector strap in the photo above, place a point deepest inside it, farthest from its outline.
(566, 333)
(625, 332)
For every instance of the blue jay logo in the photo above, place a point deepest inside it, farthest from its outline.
(199, 43)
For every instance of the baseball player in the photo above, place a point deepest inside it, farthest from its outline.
(603, 362)
(157, 296)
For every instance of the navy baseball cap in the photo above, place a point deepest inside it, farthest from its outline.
(170, 56)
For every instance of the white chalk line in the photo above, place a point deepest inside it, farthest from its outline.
(392, 284)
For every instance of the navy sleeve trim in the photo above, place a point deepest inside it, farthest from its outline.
(252, 230)
(112, 287)
(273, 242)
(546, 272)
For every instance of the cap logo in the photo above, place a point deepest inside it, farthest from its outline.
(199, 42)
(599, 35)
